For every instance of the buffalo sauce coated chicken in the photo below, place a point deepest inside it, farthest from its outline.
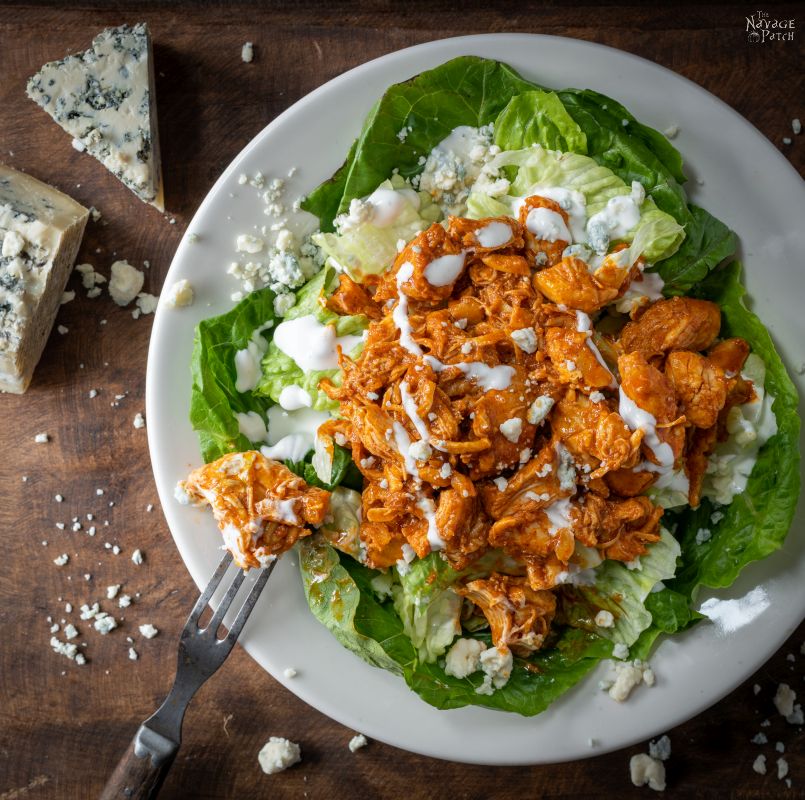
(261, 507)
(486, 411)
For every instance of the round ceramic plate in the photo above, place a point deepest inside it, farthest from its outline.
(727, 160)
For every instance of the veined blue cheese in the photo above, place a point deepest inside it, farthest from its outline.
(40, 232)
(104, 99)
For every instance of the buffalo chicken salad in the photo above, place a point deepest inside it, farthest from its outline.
(506, 401)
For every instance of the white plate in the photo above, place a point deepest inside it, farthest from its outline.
(731, 161)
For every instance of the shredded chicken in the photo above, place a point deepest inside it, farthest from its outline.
(519, 616)
(484, 413)
(261, 507)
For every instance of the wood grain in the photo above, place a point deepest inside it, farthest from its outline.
(63, 727)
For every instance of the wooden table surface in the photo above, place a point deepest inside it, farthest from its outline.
(63, 726)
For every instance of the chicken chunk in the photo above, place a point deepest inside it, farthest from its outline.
(261, 507)
(519, 616)
(651, 391)
(680, 323)
(699, 385)
(570, 283)
(546, 252)
(575, 359)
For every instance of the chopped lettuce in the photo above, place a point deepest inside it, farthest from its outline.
(280, 370)
(428, 607)
(622, 590)
(368, 246)
(656, 236)
(214, 400)
(350, 601)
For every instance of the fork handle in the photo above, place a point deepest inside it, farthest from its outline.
(141, 770)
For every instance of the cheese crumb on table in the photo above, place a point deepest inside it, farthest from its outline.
(357, 742)
(784, 699)
(137, 557)
(125, 283)
(139, 421)
(278, 754)
(148, 630)
(644, 769)
(759, 765)
(41, 438)
(660, 749)
(247, 52)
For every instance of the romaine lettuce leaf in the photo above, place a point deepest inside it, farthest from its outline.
(465, 91)
(342, 597)
(428, 607)
(538, 117)
(343, 471)
(214, 399)
(621, 591)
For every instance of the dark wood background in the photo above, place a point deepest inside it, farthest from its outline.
(62, 727)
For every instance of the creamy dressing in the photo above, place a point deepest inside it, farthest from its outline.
(311, 344)
(285, 511)
(381, 209)
(488, 378)
(428, 508)
(749, 427)
(248, 361)
(494, 234)
(294, 397)
(548, 225)
(402, 441)
(410, 408)
(252, 426)
(584, 325)
(232, 541)
(639, 292)
(291, 434)
(400, 313)
(620, 215)
(444, 270)
(558, 514)
(638, 419)
(572, 202)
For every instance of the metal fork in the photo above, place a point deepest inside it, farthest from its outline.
(145, 764)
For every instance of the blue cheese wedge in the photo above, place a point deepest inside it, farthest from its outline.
(40, 232)
(104, 98)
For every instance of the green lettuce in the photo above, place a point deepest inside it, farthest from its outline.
(656, 236)
(538, 117)
(621, 591)
(345, 597)
(465, 91)
(214, 400)
(280, 370)
(367, 249)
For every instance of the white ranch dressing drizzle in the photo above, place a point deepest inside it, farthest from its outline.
(558, 514)
(444, 270)
(252, 426)
(650, 288)
(638, 419)
(620, 215)
(285, 511)
(291, 433)
(400, 313)
(494, 234)
(428, 508)
(572, 202)
(247, 360)
(294, 397)
(585, 325)
(311, 344)
(547, 224)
